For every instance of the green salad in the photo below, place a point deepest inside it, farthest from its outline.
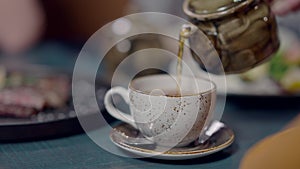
(283, 69)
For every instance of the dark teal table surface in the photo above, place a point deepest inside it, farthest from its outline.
(78, 151)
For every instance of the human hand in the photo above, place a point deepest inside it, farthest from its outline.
(283, 7)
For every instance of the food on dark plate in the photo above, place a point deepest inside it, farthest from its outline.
(55, 90)
(23, 95)
(16, 111)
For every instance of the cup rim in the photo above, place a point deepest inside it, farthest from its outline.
(211, 90)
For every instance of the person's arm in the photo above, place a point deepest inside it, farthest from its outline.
(283, 7)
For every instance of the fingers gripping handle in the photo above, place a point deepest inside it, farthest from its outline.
(112, 110)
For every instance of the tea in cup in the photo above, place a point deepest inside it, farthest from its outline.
(162, 113)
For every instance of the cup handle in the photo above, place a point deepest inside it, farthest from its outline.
(112, 110)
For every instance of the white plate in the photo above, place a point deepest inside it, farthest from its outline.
(219, 141)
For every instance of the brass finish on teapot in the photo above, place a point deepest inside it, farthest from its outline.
(243, 32)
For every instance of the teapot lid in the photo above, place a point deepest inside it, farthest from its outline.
(212, 9)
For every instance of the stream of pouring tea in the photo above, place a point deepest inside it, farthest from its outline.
(183, 35)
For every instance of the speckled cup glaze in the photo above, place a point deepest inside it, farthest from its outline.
(167, 120)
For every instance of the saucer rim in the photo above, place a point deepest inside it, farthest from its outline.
(169, 153)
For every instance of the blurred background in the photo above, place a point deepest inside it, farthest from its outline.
(24, 26)
(52, 32)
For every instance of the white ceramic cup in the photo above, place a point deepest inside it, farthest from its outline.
(160, 114)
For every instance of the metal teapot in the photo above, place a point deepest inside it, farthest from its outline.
(243, 32)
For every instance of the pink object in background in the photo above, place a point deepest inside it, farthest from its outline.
(283, 7)
(21, 24)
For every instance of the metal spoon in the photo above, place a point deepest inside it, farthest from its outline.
(214, 127)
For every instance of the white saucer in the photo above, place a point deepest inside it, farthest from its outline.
(219, 141)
